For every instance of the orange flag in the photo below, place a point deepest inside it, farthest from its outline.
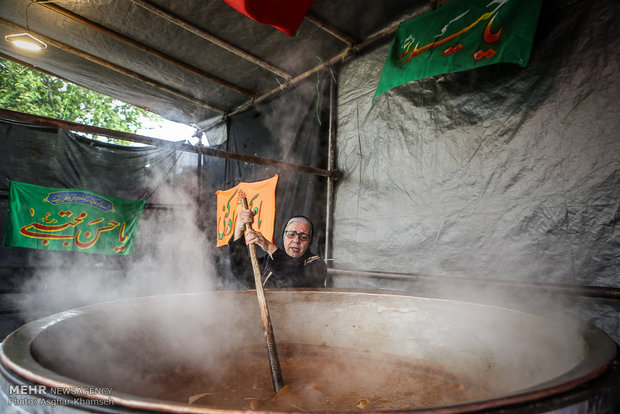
(261, 197)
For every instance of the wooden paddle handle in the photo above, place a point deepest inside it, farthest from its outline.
(274, 362)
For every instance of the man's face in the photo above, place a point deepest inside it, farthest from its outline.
(296, 247)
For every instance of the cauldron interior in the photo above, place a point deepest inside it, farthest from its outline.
(124, 345)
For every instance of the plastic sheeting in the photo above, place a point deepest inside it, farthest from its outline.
(176, 238)
(293, 129)
(500, 173)
(50, 157)
(61, 159)
(293, 54)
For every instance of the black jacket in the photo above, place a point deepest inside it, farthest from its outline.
(279, 271)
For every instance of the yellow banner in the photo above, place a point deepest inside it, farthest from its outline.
(261, 196)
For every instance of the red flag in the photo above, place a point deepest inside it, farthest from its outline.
(285, 15)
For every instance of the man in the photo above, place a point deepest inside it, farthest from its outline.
(295, 266)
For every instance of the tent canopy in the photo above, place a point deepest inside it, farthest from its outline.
(192, 61)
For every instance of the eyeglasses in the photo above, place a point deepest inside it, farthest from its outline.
(302, 236)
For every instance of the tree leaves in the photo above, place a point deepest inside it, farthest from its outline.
(27, 90)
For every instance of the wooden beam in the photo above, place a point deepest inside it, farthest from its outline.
(113, 67)
(184, 24)
(96, 26)
(334, 61)
(381, 35)
(177, 146)
(293, 82)
(314, 19)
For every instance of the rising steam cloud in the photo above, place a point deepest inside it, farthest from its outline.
(173, 255)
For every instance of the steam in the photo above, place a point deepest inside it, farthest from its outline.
(173, 255)
(155, 341)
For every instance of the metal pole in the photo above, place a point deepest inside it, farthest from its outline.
(331, 161)
(575, 290)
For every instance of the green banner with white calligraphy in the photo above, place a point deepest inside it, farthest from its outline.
(70, 220)
(461, 35)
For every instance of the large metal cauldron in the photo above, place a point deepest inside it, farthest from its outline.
(100, 356)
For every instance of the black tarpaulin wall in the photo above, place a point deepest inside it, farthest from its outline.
(175, 249)
(292, 128)
(51, 157)
(61, 159)
(499, 173)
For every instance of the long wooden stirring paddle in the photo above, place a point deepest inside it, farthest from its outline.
(274, 362)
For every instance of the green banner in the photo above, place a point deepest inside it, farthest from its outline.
(70, 219)
(461, 35)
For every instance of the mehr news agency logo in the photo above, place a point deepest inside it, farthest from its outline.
(34, 395)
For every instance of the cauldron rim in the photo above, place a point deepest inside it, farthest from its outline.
(15, 356)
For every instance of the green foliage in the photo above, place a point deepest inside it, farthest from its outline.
(26, 90)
